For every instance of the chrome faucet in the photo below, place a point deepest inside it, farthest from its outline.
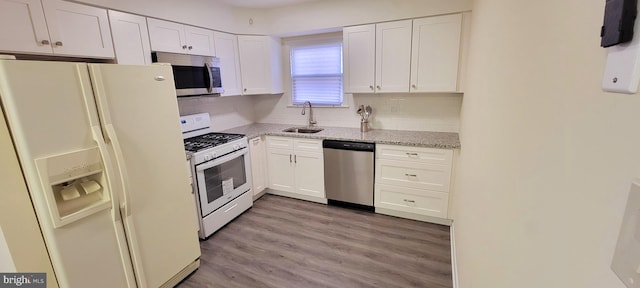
(312, 121)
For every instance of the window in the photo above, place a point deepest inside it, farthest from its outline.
(316, 73)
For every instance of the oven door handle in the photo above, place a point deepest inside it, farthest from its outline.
(223, 159)
(207, 67)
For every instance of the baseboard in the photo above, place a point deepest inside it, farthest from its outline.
(454, 264)
(297, 196)
(414, 216)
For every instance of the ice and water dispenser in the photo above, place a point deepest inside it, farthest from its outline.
(74, 184)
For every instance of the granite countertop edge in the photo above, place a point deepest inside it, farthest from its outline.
(442, 140)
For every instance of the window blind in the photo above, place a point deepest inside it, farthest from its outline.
(316, 74)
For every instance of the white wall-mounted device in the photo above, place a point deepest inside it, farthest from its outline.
(622, 71)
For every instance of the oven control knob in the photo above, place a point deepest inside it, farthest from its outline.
(236, 147)
(214, 155)
(207, 157)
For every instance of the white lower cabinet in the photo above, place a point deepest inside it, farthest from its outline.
(413, 182)
(258, 165)
(296, 168)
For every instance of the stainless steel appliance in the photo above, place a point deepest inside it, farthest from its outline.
(193, 74)
(222, 172)
(348, 173)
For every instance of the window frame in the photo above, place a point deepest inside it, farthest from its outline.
(311, 40)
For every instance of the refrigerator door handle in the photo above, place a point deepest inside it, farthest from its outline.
(108, 165)
(111, 133)
(126, 206)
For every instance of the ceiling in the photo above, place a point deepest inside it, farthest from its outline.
(262, 3)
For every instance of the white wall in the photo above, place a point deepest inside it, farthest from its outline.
(226, 112)
(321, 15)
(547, 157)
(203, 13)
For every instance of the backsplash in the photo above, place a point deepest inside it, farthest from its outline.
(430, 112)
(417, 112)
(226, 112)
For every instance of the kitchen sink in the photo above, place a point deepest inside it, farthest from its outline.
(306, 130)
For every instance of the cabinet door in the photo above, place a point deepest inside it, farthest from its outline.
(436, 53)
(130, 38)
(309, 174)
(258, 162)
(254, 64)
(359, 58)
(393, 56)
(23, 27)
(281, 169)
(199, 41)
(227, 50)
(78, 30)
(167, 36)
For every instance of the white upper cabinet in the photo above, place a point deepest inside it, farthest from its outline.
(260, 64)
(420, 55)
(179, 38)
(199, 41)
(54, 27)
(377, 57)
(130, 38)
(78, 30)
(359, 58)
(167, 36)
(23, 27)
(393, 56)
(436, 54)
(227, 50)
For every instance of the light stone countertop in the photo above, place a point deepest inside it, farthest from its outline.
(443, 140)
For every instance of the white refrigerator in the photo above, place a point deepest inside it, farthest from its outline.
(100, 150)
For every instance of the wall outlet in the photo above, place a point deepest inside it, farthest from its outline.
(626, 258)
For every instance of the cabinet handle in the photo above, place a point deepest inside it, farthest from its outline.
(184, 46)
(190, 47)
(58, 43)
(412, 154)
(295, 159)
(378, 87)
(371, 87)
(410, 175)
(290, 158)
(414, 86)
(409, 201)
(45, 42)
(245, 89)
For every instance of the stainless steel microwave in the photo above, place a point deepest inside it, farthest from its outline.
(193, 74)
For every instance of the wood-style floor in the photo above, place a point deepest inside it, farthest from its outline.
(283, 242)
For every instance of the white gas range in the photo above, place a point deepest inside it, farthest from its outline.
(221, 171)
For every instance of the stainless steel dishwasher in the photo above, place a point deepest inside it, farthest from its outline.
(348, 173)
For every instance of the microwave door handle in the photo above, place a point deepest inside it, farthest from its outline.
(207, 67)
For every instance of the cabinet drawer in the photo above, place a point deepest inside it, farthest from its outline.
(415, 154)
(423, 202)
(311, 145)
(413, 175)
(279, 142)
